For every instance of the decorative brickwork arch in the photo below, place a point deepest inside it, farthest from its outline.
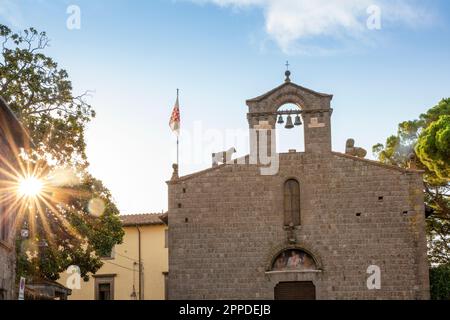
(279, 251)
(294, 260)
(306, 99)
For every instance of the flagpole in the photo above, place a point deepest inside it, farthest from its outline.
(178, 136)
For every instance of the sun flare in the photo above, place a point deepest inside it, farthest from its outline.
(30, 187)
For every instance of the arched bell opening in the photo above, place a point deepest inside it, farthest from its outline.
(290, 133)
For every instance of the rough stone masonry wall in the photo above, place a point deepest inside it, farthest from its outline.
(226, 224)
(7, 253)
(6, 271)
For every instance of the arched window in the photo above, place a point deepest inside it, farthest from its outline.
(292, 203)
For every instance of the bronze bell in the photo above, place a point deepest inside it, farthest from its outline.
(298, 121)
(280, 119)
(289, 124)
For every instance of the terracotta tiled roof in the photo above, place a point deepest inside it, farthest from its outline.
(141, 219)
(165, 218)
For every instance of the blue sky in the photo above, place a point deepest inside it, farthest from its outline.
(134, 54)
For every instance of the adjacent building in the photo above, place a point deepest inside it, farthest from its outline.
(316, 224)
(13, 137)
(135, 270)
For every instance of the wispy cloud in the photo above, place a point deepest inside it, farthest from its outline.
(293, 24)
(10, 13)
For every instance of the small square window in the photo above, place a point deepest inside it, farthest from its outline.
(166, 238)
(109, 255)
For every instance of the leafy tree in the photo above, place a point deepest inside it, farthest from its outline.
(424, 143)
(433, 147)
(41, 96)
(64, 229)
(439, 282)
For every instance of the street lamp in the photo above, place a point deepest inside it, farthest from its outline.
(25, 232)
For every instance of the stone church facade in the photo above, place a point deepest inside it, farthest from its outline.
(323, 225)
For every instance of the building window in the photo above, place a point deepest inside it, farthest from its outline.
(4, 226)
(166, 285)
(104, 288)
(166, 238)
(3, 231)
(108, 255)
(292, 203)
(3, 294)
(104, 291)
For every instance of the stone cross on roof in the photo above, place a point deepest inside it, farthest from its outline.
(287, 73)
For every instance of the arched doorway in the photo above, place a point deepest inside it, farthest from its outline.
(295, 271)
(298, 290)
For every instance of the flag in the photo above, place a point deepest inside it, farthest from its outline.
(175, 118)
